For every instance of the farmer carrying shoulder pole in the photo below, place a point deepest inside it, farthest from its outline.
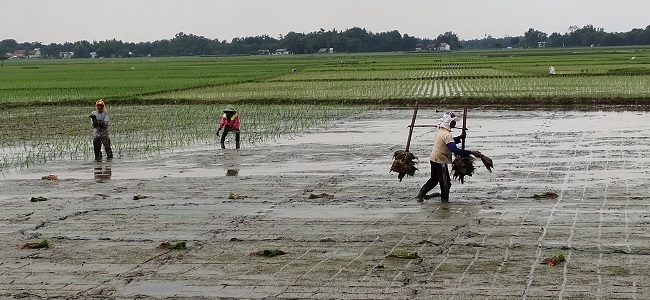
(443, 145)
(101, 137)
(229, 122)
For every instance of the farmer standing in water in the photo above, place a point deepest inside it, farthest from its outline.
(229, 122)
(100, 123)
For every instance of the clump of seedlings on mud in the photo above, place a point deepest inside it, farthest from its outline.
(269, 252)
(38, 199)
(35, 245)
(554, 260)
(405, 255)
(173, 246)
(235, 196)
(50, 177)
(321, 195)
(138, 197)
(546, 195)
(404, 164)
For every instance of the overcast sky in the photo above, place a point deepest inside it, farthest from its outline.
(61, 21)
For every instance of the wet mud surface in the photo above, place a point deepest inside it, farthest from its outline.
(487, 243)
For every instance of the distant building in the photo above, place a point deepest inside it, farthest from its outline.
(66, 55)
(541, 44)
(281, 52)
(325, 50)
(36, 53)
(19, 54)
(444, 47)
(263, 52)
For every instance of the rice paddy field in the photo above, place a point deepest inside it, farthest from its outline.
(159, 104)
(311, 180)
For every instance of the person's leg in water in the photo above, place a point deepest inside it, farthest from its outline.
(237, 139)
(97, 148)
(107, 146)
(445, 183)
(226, 129)
(431, 183)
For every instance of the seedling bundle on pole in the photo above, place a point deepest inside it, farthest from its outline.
(404, 161)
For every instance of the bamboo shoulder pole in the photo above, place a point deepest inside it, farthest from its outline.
(464, 126)
(408, 140)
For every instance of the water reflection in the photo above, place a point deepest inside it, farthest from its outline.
(232, 162)
(103, 170)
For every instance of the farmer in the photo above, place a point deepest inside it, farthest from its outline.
(99, 119)
(443, 146)
(229, 122)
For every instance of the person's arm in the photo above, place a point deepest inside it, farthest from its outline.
(459, 138)
(463, 153)
(458, 151)
(104, 123)
(93, 118)
(223, 122)
(236, 123)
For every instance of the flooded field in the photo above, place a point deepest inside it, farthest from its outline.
(489, 242)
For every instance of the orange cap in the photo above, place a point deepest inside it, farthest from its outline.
(100, 102)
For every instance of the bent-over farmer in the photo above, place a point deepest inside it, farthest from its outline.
(101, 137)
(443, 146)
(229, 122)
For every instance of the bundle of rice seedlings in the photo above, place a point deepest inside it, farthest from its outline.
(404, 164)
(461, 167)
(487, 162)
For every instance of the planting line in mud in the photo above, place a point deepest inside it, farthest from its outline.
(538, 256)
(477, 246)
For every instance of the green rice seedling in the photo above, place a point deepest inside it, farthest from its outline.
(142, 131)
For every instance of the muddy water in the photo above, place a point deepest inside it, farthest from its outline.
(487, 243)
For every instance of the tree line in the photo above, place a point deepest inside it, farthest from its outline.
(353, 40)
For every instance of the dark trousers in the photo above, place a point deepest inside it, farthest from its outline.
(439, 175)
(97, 147)
(226, 130)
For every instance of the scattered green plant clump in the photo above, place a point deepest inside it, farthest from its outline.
(234, 196)
(38, 199)
(269, 253)
(321, 195)
(138, 197)
(405, 255)
(50, 177)
(404, 164)
(176, 246)
(547, 195)
(35, 245)
(554, 260)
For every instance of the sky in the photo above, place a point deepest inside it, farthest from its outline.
(58, 21)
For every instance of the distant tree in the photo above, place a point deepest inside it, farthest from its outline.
(82, 49)
(532, 38)
(409, 43)
(2, 59)
(294, 42)
(555, 40)
(451, 39)
(515, 41)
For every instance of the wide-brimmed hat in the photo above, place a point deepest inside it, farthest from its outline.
(229, 108)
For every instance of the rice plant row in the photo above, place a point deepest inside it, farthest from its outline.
(491, 88)
(64, 133)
